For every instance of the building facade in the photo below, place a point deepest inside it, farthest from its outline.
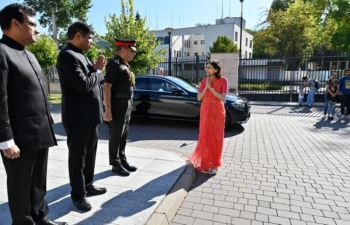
(192, 41)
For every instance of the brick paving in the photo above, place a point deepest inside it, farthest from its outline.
(285, 166)
(288, 166)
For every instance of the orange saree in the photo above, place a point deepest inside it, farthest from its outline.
(211, 129)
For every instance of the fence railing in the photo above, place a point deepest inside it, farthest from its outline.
(191, 68)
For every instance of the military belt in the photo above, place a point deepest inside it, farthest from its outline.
(128, 96)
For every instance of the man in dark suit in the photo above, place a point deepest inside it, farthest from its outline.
(25, 122)
(81, 111)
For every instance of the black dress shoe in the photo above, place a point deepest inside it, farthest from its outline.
(120, 170)
(93, 190)
(128, 167)
(47, 221)
(83, 204)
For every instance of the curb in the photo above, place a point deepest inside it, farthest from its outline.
(167, 209)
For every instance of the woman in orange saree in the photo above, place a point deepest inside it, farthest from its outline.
(207, 155)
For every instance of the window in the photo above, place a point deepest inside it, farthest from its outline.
(236, 36)
(196, 53)
(195, 42)
(251, 44)
(246, 42)
(141, 84)
(203, 53)
(161, 85)
(163, 40)
(250, 55)
(202, 42)
(246, 54)
(188, 54)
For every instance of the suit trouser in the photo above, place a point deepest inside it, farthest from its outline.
(26, 186)
(119, 129)
(82, 145)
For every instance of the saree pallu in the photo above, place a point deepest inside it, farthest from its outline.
(211, 133)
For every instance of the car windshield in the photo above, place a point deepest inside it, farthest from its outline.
(184, 84)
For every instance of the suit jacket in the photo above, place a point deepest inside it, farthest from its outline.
(81, 88)
(24, 111)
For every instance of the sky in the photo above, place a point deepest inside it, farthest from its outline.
(161, 14)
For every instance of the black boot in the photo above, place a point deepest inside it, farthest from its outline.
(127, 166)
(120, 170)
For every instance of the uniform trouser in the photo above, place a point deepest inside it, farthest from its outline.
(26, 186)
(118, 129)
(345, 102)
(82, 145)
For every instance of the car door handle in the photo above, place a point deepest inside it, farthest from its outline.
(154, 95)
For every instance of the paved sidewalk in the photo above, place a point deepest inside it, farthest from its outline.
(288, 166)
(129, 200)
(285, 166)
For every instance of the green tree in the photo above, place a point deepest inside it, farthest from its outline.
(223, 44)
(46, 52)
(56, 14)
(128, 27)
(280, 5)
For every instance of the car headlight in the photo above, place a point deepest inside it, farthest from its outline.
(237, 105)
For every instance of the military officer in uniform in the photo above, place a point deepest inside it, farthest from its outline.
(118, 90)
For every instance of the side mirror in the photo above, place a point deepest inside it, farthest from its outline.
(177, 91)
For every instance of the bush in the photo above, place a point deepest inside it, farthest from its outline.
(260, 86)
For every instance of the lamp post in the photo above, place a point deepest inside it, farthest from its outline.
(169, 30)
(240, 42)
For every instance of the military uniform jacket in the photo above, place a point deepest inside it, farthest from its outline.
(118, 74)
(24, 111)
(81, 88)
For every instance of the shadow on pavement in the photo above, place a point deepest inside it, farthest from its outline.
(124, 204)
(336, 126)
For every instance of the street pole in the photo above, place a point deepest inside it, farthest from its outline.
(240, 42)
(169, 30)
(240, 47)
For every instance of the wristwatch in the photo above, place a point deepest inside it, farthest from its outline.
(99, 71)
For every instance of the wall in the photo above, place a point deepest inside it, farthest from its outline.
(229, 63)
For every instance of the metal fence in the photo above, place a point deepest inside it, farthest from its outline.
(191, 68)
(278, 79)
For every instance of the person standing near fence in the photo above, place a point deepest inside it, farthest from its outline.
(344, 92)
(332, 99)
(161, 71)
(301, 95)
(312, 91)
(332, 81)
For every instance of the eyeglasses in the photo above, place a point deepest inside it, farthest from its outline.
(30, 23)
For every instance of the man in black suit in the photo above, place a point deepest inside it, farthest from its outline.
(81, 111)
(25, 122)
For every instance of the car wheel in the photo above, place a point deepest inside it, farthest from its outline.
(227, 120)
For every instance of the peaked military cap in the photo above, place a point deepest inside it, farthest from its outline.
(131, 43)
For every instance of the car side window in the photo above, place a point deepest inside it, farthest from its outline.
(169, 86)
(158, 85)
(141, 84)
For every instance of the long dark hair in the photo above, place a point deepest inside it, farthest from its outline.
(216, 64)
